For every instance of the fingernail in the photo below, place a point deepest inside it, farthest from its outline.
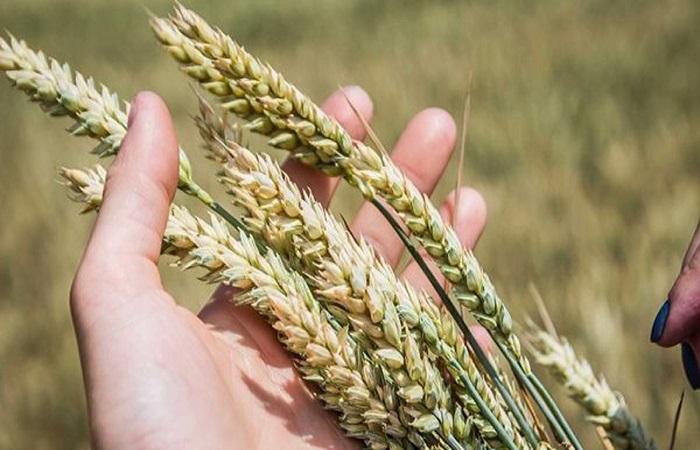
(690, 364)
(657, 329)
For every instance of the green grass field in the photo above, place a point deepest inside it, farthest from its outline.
(584, 139)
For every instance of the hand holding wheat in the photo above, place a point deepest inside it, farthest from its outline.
(119, 305)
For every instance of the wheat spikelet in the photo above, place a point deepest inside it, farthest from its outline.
(344, 271)
(604, 407)
(84, 186)
(96, 111)
(272, 106)
(326, 354)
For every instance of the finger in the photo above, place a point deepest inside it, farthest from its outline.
(124, 247)
(336, 106)
(469, 224)
(692, 256)
(422, 152)
(679, 316)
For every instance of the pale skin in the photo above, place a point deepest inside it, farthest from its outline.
(158, 376)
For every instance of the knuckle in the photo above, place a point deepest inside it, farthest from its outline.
(91, 278)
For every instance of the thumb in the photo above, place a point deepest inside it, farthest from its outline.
(121, 256)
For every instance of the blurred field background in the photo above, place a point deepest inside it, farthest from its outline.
(584, 139)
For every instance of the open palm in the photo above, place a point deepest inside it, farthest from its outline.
(159, 376)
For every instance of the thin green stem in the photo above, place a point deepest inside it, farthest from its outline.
(224, 214)
(544, 401)
(555, 419)
(555, 409)
(452, 442)
(524, 381)
(217, 208)
(502, 434)
(454, 312)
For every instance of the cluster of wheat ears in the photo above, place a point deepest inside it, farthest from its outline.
(400, 368)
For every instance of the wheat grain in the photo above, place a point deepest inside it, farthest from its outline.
(383, 377)
(330, 357)
(604, 407)
(273, 107)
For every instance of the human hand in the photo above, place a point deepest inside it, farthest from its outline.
(157, 375)
(678, 320)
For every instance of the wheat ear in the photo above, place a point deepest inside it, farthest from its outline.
(605, 408)
(326, 354)
(96, 111)
(344, 271)
(254, 91)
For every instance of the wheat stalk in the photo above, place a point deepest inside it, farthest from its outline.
(327, 354)
(344, 271)
(254, 91)
(385, 357)
(605, 408)
(422, 387)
